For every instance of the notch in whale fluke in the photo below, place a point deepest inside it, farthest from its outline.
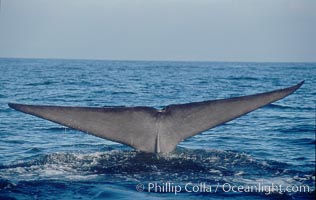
(148, 129)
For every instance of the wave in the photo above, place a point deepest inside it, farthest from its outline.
(304, 141)
(214, 163)
(57, 189)
(283, 107)
(299, 129)
(129, 167)
(243, 78)
(123, 93)
(276, 106)
(58, 129)
(41, 83)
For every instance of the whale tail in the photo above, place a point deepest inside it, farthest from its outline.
(151, 130)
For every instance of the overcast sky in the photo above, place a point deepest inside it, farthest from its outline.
(200, 30)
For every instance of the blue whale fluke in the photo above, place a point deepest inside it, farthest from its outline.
(148, 129)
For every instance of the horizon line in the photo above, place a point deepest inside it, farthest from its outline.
(153, 60)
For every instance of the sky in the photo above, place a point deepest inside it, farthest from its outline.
(184, 30)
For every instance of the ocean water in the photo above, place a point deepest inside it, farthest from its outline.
(266, 154)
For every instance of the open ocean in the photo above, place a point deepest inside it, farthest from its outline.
(271, 150)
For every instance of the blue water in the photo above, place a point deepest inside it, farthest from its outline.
(43, 160)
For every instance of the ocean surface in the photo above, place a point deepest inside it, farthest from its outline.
(266, 154)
